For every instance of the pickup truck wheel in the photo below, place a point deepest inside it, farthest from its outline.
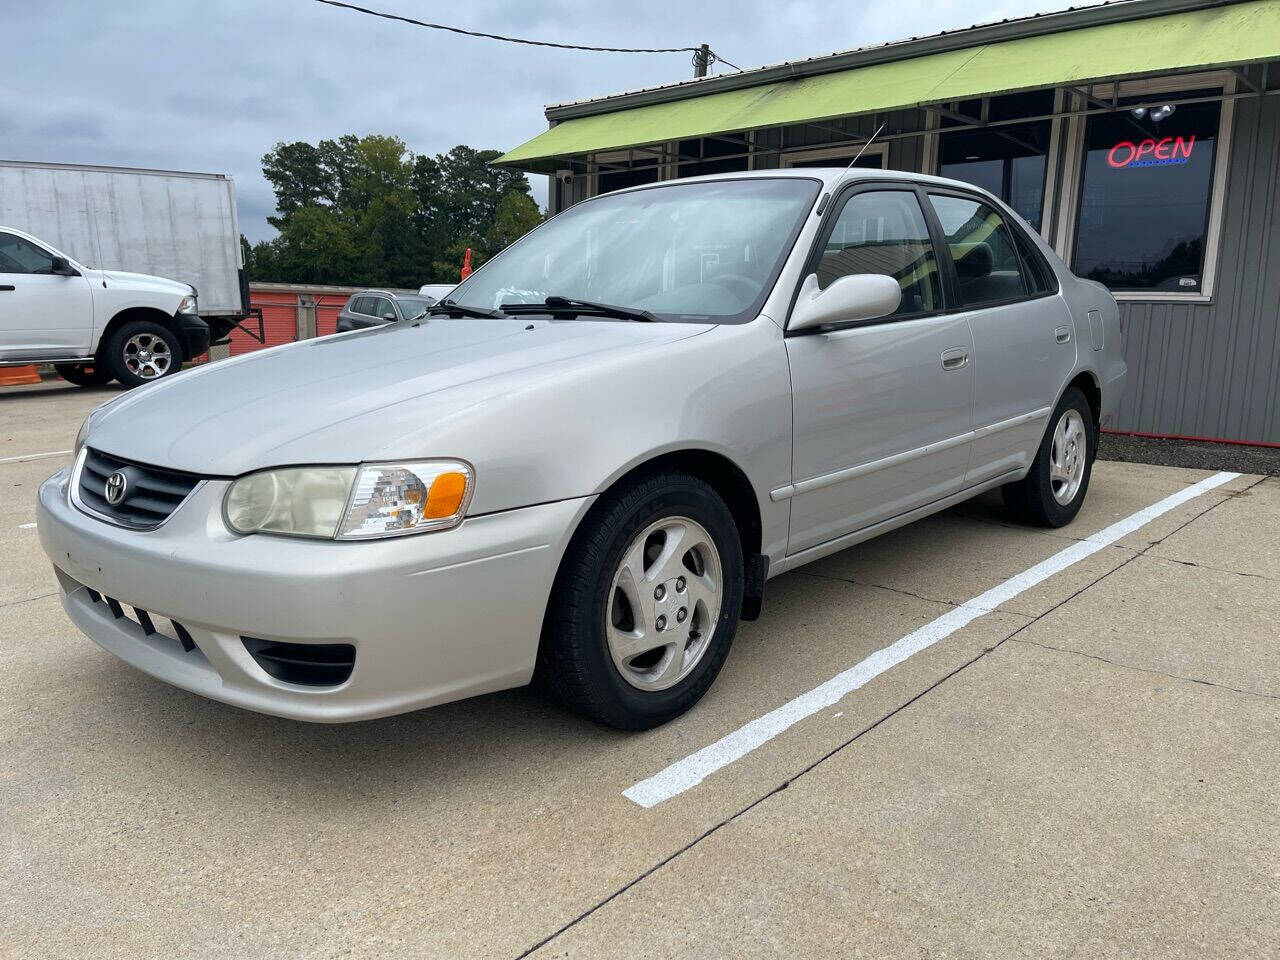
(141, 352)
(645, 605)
(84, 374)
(1052, 493)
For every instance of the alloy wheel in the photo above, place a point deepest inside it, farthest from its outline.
(147, 356)
(1067, 457)
(664, 603)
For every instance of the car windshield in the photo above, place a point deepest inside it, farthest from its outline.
(700, 251)
(411, 307)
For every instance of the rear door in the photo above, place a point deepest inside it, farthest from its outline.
(41, 314)
(1024, 340)
(883, 410)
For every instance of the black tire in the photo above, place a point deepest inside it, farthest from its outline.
(84, 374)
(1031, 500)
(116, 360)
(574, 661)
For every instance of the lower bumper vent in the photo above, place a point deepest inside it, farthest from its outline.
(151, 626)
(308, 664)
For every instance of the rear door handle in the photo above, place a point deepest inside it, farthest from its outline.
(1062, 334)
(6, 286)
(955, 358)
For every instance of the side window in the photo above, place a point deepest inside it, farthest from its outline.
(1040, 277)
(987, 265)
(363, 305)
(381, 307)
(19, 256)
(884, 231)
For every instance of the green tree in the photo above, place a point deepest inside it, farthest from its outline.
(517, 214)
(366, 211)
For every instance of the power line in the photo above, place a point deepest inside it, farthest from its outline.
(505, 39)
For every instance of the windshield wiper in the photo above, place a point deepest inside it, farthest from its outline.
(448, 307)
(568, 305)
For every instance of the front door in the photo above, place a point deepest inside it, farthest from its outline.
(41, 314)
(882, 411)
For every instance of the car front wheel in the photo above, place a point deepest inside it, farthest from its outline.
(646, 603)
(1051, 494)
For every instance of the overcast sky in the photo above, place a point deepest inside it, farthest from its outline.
(211, 85)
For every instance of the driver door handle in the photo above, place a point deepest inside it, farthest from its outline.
(6, 286)
(955, 358)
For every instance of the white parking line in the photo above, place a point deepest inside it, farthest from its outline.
(33, 456)
(26, 526)
(693, 769)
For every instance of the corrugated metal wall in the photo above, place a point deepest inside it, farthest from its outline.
(1211, 370)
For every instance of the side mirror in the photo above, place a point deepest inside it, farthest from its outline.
(389, 317)
(862, 296)
(62, 267)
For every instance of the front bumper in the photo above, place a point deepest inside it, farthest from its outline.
(433, 617)
(194, 333)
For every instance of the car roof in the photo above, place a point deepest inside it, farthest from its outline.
(391, 294)
(831, 178)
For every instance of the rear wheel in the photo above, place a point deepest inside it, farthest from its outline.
(142, 352)
(84, 374)
(1051, 494)
(646, 603)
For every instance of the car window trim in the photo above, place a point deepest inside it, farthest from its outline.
(1000, 208)
(832, 209)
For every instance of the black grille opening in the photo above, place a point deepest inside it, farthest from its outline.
(308, 664)
(150, 494)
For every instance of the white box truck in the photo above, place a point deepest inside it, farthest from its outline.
(114, 272)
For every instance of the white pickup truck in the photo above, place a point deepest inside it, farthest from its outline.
(93, 325)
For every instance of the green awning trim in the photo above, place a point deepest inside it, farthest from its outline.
(1241, 33)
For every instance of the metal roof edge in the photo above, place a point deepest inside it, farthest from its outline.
(1041, 24)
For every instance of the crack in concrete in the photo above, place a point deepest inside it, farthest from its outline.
(39, 596)
(877, 586)
(1208, 566)
(1150, 670)
(719, 825)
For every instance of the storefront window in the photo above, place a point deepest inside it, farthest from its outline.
(712, 151)
(645, 171)
(1144, 201)
(1008, 161)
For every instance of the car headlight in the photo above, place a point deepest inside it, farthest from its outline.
(351, 503)
(187, 304)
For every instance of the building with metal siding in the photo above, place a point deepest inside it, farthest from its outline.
(1144, 139)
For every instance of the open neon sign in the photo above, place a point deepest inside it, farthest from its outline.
(1167, 151)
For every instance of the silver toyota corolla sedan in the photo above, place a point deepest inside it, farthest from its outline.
(585, 463)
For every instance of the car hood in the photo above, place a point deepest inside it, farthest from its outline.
(367, 395)
(146, 280)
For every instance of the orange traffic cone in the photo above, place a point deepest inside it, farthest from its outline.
(17, 376)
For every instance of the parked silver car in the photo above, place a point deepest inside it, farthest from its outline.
(373, 308)
(585, 465)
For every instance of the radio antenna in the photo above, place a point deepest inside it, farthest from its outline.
(864, 147)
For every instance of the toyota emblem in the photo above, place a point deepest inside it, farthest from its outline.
(117, 484)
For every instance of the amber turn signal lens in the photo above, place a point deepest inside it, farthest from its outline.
(445, 496)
